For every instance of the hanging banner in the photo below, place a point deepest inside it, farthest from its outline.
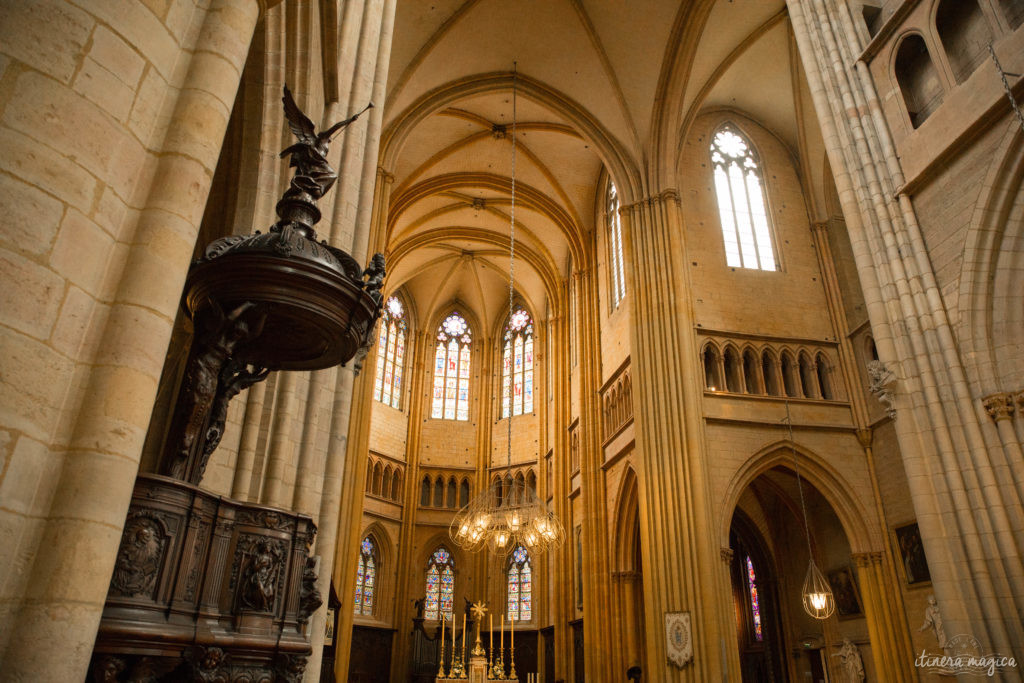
(679, 643)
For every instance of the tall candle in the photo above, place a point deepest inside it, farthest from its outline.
(454, 643)
(490, 630)
(502, 640)
(511, 633)
(442, 640)
(463, 631)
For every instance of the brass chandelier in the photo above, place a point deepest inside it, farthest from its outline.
(507, 516)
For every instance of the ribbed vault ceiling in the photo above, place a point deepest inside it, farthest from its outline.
(608, 80)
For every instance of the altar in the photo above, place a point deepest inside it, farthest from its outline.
(481, 664)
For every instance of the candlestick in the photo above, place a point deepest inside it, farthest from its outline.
(453, 638)
(490, 631)
(511, 633)
(440, 667)
(463, 635)
(502, 640)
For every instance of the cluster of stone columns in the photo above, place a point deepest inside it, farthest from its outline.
(964, 509)
(199, 52)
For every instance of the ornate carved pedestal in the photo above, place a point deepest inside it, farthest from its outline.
(208, 589)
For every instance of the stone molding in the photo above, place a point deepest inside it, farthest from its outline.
(999, 406)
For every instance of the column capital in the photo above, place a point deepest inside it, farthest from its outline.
(629, 576)
(999, 406)
(865, 437)
(819, 226)
(385, 175)
(867, 559)
(670, 194)
(727, 554)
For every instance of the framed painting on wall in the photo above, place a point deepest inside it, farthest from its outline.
(844, 590)
(911, 553)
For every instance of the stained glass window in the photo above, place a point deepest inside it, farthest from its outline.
(616, 270)
(440, 594)
(755, 607)
(451, 369)
(741, 202)
(387, 386)
(366, 577)
(520, 586)
(517, 368)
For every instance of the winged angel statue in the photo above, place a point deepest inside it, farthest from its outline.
(313, 175)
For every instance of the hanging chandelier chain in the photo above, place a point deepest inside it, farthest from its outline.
(512, 258)
(1006, 86)
(799, 486)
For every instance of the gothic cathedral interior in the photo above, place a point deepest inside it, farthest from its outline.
(565, 341)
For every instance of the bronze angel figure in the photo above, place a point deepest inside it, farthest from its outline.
(309, 155)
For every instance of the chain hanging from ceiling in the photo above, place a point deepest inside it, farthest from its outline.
(508, 515)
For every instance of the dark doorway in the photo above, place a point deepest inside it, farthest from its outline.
(755, 595)
(578, 667)
(370, 661)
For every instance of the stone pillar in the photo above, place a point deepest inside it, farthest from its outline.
(71, 573)
(676, 529)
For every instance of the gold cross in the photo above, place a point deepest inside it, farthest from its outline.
(478, 610)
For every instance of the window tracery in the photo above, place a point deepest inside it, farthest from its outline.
(517, 368)
(440, 585)
(390, 354)
(366, 577)
(520, 586)
(451, 369)
(741, 202)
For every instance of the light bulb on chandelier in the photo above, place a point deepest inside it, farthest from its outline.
(508, 514)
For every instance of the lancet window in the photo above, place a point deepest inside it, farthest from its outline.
(517, 372)
(617, 272)
(741, 202)
(390, 354)
(520, 586)
(755, 606)
(451, 369)
(440, 585)
(366, 577)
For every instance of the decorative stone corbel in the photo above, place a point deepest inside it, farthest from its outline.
(999, 406)
(727, 554)
(883, 385)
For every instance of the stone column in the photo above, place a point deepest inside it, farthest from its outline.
(57, 622)
(676, 529)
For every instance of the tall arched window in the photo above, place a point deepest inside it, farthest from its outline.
(451, 369)
(616, 273)
(366, 577)
(755, 605)
(741, 202)
(520, 586)
(390, 354)
(440, 585)
(518, 364)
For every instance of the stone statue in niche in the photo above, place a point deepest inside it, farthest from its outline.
(852, 670)
(933, 621)
(883, 385)
(309, 596)
(259, 583)
(219, 334)
(138, 559)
